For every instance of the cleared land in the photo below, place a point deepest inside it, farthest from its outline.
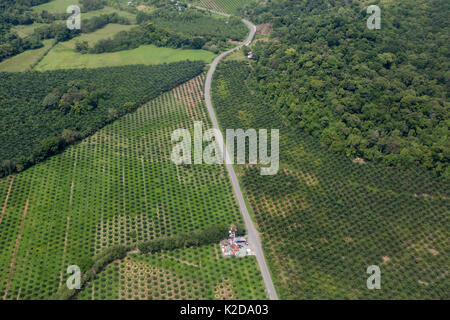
(205, 25)
(23, 62)
(119, 186)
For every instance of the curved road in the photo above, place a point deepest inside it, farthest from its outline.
(252, 233)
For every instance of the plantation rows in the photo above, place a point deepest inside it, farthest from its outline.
(34, 119)
(118, 186)
(195, 23)
(193, 273)
(325, 219)
(225, 6)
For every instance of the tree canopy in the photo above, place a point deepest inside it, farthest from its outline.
(381, 95)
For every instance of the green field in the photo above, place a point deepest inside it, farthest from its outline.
(192, 273)
(26, 30)
(109, 10)
(61, 57)
(325, 219)
(22, 62)
(118, 186)
(104, 33)
(60, 6)
(56, 6)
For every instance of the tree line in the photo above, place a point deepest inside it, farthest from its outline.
(93, 266)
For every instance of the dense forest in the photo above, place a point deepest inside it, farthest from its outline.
(380, 95)
(41, 113)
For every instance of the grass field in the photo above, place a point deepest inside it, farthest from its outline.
(26, 30)
(325, 219)
(60, 6)
(22, 62)
(109, 10)
(118, 186)
(205, 25)
(192, 273)
(62, 57)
